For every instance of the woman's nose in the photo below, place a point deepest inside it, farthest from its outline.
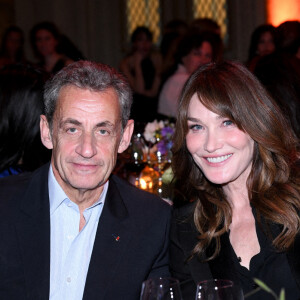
(213, 141)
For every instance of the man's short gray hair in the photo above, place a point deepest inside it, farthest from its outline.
(89, 75)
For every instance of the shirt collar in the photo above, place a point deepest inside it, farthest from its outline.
(57, 195)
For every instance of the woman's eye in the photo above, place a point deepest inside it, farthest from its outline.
(228, 123)
(195, 127)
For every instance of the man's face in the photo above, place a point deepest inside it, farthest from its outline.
(85, 138)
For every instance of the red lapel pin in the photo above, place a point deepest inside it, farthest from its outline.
(117, 238)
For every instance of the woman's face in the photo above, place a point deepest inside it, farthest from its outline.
(198, 57)
(142, 44)
(45, 42)
(265, 44)
(221, 150)
(13, 42)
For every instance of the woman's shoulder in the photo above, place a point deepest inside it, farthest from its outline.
(68, 60)
(61, 62)
(126, 63)
(184, 214)
(65, 60)
(175, 83)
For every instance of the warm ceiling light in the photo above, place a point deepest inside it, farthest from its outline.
(279, 11)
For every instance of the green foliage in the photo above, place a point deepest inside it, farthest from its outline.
(282, 295)
(264, 287)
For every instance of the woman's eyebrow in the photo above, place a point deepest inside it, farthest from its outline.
(193, 119)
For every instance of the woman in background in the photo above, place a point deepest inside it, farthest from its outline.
(278, 76)
(194, 50)
(45, 40)
(263, 42)
(11, 51)
(172, 34)
(237, 161)
(142, 67)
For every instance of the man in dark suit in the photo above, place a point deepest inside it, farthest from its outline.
(71, 230)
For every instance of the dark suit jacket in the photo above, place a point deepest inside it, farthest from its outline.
(190, 272)
(117, 268)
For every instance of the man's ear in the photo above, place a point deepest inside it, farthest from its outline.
(45, 132)
(127, 133)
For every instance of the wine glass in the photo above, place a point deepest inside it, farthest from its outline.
(161, 289)
(218, 289)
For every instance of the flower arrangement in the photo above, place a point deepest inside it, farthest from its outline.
(159, 134)
(158, 137)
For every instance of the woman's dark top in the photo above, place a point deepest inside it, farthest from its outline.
(144, 108)
(275, 269)
(58, 66)
(271, 267)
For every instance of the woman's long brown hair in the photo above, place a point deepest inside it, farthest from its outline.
(231, 91)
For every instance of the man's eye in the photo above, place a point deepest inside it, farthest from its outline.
(103, 132)
(72, 130)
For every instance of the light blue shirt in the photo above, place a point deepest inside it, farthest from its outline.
(70, 250)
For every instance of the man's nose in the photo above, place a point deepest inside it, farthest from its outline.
(213, 141)
(87, 146)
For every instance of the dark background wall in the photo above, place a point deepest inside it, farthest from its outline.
(98, 27)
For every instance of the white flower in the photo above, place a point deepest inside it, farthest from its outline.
(150, 129)
(161, 125)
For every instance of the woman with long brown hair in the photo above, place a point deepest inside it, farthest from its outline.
(238, 165)
(46, 41)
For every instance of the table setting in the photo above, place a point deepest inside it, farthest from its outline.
(169, 289)
(147, 161)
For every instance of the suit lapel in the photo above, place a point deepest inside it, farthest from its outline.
(33, 231)
(112, 238)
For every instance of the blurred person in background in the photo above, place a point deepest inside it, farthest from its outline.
(12, 46)
(45, 41)
(142, 67)
(173, 33)
(193, 51)
(21, 104)
(203, 25)
(263, 42)
(288, 36)
(276, 73)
